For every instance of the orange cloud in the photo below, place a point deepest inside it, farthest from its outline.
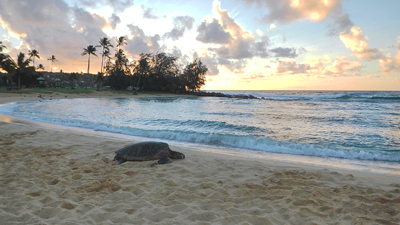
(341, 65)
(314, 66)
(317, 64)
(356, 41)
(288, 67)
(286, 11)
(388, 65)
(315, 10)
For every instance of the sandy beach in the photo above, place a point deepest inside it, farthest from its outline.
(50, 176)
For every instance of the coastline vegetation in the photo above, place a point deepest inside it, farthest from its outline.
(157, 72)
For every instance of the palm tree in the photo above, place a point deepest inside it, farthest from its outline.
(121, 41)
(142, 68)
(105, 43)
(118, 70)
(40, 67)
(107, 54)
(18, 68)
(2, 46)
(7, 65)
(3, 57)
(99, 80)
(52, 59)
(90, 50)
(33, 54)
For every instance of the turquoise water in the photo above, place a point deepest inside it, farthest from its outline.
(330, 124)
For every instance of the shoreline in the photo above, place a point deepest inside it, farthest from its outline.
(336, 164)
(357, 166)
(57, 176)
(339, 164)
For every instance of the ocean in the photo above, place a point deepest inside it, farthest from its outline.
(356, 127)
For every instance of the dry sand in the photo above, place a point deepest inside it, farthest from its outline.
(59, 177)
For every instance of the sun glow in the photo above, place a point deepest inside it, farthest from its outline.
(315, 16)
(109, 31)
(11, 33)
(260, 33)
(295, 3)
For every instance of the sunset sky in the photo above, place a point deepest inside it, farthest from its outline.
(246, 44)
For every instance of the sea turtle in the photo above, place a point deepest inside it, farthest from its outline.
(146, 151)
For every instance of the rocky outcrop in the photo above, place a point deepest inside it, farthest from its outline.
(221, 95)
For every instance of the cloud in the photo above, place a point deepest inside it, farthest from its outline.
(234, 42)
(389, 65)
(210, 60)
(342, 23)
(8, 45)
(21, 17)
(314, 66)
(114, 21)
(316, 63)
(117, 5)
(341, 65)
(356, 42)
(260, 33)
(252, 76)
(52, 28)
(286, 11)
(260, 48)
(148, 14)
(236, 66)
(88, 24)
(181, 24)
(287, 52)
(287, 67)
(212, 33)
(174, 51)
(139, 43)
(11, 50)
(284, 52)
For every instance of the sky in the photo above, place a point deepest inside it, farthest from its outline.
(246, 44)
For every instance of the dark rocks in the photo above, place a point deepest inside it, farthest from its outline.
(221, 95)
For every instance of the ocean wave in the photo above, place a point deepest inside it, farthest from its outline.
(369, 98)
(388, 98)
(255, 143)
(365, 96)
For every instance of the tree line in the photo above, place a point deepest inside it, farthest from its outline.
(19, 71)
(151, 72)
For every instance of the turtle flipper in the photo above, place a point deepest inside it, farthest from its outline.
(163, 160)
(119, 159)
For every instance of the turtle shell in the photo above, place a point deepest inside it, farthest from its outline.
(144, 151)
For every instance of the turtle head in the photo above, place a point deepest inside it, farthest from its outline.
(176, 155)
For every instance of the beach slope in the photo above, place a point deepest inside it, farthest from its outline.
(59, 177)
